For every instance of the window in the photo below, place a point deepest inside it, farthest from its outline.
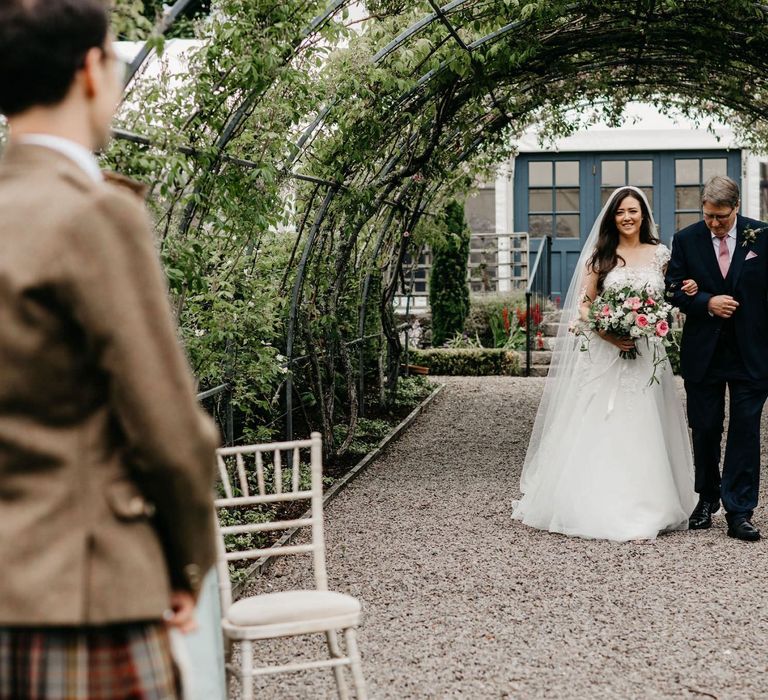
(480, 210)
(619, 173)
(690, 176)
(553, 199)
(418, 273)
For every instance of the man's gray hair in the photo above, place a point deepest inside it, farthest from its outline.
(721, 191)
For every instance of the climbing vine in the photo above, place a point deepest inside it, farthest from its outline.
(297, 160)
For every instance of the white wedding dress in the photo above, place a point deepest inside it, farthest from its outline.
(613, 460)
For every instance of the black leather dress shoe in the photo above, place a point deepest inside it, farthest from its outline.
(743, 530)
(701, 518)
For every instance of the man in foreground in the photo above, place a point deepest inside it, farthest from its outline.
(106, 461)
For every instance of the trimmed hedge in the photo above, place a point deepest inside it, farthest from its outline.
(467, 362)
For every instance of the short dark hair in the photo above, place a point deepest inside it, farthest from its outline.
(42, 46)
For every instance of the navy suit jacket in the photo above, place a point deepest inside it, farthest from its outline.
(694, 257)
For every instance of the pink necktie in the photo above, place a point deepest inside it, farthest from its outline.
(723, 259)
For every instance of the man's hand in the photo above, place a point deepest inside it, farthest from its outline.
(722, 305)
(690, 288)
(182, 612)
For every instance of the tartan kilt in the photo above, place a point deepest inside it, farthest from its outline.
(113, 662)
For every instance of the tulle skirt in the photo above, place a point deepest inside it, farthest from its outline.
(615, 461)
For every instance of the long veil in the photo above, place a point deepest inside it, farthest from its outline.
(562, 378)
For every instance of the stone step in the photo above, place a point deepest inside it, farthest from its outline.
(552, 316)
(550, 328)
(539, 357)
(537, 370)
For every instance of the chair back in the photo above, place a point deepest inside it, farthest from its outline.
(254, 476)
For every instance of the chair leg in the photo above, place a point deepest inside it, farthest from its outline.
(356, 663)
(338, 671)
(246, 670)
(229, 674)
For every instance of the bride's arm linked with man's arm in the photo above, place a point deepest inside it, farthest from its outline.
(701, 304)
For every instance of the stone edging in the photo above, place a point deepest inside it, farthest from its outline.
(260, 565)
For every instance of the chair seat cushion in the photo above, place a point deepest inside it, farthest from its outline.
(291, 606)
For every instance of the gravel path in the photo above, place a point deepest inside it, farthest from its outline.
(462, 602)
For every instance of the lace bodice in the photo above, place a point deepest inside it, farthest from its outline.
(641, 275)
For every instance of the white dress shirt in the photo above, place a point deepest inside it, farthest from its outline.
(730, 242)
(72, 150)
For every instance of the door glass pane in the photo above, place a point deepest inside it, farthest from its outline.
(687, 197)
(648, 191)
(480, 211)
(687, 171)
(713, 166)
(605, 194)
(640, 172)
(539, 226)
(568, 226)
(683, 220)
(567, 173)
(614, 173)
(567, 200)
(539, 200)
(540, 174)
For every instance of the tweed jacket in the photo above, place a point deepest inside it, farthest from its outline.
(106, 460)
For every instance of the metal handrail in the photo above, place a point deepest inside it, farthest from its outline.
(544, 248)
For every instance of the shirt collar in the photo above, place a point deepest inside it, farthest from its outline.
(81, 156)
(730, 234)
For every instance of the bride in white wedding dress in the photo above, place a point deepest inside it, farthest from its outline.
(609, 455)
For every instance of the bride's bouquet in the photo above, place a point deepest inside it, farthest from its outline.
(627, 312)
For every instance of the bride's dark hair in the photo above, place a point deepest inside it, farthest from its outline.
(605, 257)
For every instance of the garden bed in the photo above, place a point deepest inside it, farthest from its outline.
(371, 435)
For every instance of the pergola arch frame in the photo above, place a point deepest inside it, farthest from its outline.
(424, 94)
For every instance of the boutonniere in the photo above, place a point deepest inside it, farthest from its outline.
(749, 235)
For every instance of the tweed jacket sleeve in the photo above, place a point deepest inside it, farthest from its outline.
(118, 294)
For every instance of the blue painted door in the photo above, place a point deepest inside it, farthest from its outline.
(562, 194)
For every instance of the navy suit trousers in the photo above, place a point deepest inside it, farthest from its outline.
(739, 485)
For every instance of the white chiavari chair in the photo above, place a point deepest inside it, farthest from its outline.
(275, 480)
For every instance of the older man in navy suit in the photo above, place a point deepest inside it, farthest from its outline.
(725, 343)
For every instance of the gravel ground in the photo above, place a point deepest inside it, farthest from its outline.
(462, 602)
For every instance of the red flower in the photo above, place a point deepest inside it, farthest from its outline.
(539, 341)
(537, 315)
(505, 316)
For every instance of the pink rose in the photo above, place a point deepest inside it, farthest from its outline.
(641, 321)
(633, 303)
(662, 328)
(650, 302)
(606, 310)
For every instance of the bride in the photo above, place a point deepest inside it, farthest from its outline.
(609, 456)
